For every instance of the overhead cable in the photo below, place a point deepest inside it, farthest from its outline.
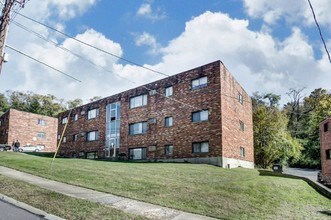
(45, 64)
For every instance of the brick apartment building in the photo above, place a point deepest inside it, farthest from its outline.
(201, 116)
(28, 128)
(325, 139)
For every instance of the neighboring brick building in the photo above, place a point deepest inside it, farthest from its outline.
(202, 116)
(325, 139)
(28, 128)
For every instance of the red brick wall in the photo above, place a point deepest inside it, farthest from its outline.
(23, 126)
(325, 139)
(180, 106)
(233, 112)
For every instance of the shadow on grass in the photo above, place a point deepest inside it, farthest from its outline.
(328, 213)
(41, 154)
(317, 187)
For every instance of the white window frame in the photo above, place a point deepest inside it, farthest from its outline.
(138, 128)
(92, 136)
(93, 113)
(64, 120)
(168, 121)
(169, 91)
(241, 125)
(169, 150)
(240, 98)
(242, 152)
(200, 147)
(199, 83)
(41, 135)
(202, 115)
(41, 121)
(137, 101)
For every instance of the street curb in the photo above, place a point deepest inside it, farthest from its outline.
(29, 208)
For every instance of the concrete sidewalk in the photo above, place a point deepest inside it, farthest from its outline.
(127, 205)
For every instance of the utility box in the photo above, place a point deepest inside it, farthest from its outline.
(278, 168)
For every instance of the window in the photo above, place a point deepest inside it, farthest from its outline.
(64, 140)
(240, 98)
(64, 120)
(76, 117)
(242, 152)
(200, 116)
(138, 101)
(241, 126)
(92, 136)
(168, 91)
(137, 153)
(199, 83)
(328, 154)
(168, 122)
(0, 122)
(93, 113)
(326, 127)
(138, 128)
(58, 137)
(41, 122)
(169, 150)
(200, 147)
(74, 137)
(41, 135)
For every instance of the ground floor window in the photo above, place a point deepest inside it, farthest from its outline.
(91, 155)
(137, 153)
(242, 152)
(200, 147)
(169, 149)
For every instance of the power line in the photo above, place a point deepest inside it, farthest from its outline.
(92, 46)
(45, 64)
(319, 30)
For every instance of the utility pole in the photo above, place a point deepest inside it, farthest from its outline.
(4, 24)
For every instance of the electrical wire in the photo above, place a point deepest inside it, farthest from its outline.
(92, 46)
(45, 64)
(319, 30)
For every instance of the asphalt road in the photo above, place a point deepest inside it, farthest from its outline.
(11, 212)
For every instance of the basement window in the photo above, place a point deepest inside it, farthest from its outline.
(200, 147)
(41, 135)
(169, 150)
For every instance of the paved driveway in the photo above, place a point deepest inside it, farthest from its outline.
(11, 212)
(308, 173)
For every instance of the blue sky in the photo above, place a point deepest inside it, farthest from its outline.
(268, 45)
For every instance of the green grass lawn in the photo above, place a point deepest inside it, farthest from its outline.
(57, 204)
(203, 189)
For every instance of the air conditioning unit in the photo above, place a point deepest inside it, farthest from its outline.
(152, 121)
(152, 92)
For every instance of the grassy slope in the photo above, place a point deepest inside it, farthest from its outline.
(202, 189)
(58, 204)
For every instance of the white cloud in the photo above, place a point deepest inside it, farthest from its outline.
(146, 11)
(294, 11)
(148, 40)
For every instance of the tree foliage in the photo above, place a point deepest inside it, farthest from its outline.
(272, 142)
(47, 105)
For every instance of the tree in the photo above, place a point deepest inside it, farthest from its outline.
(4, 105)
(272, 141)
(74, 103)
